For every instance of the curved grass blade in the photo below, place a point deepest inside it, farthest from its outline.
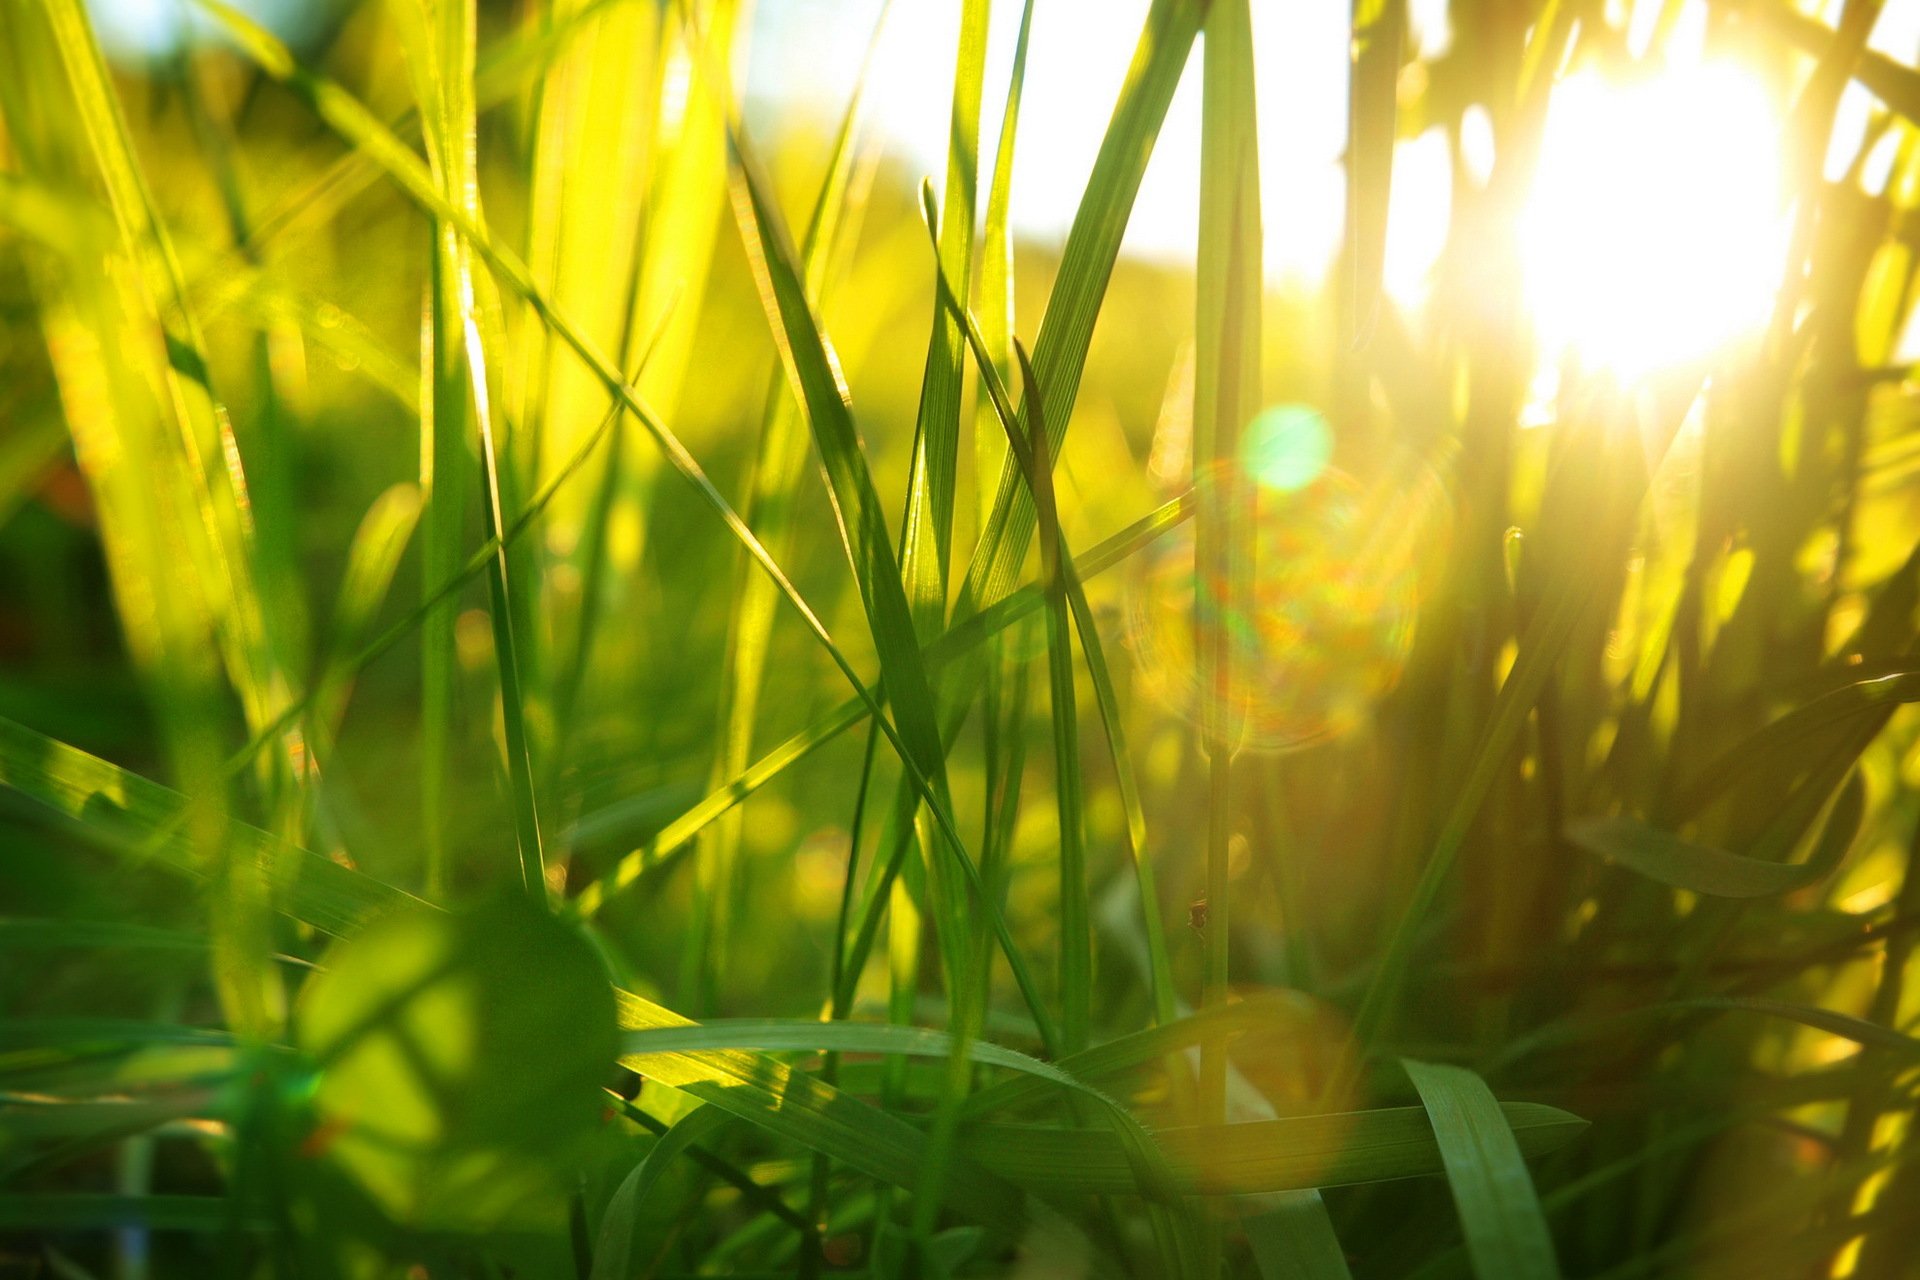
(1294, 1154)
(615, 1251)
(1507, 1235)
(1160, 973)
(778, 466)
(1682, 864)
(814, 372)
(1295, 1240)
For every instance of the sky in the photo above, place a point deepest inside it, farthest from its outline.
(806, 53)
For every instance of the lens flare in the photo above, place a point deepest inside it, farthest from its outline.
(1287, 447)
(1315, 613)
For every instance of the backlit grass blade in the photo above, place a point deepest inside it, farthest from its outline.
(1086, 263)
(814, 371)
(142, 419)
(1506, 1233)
(996, 292)
(440, 49)
(1226, 394)
(1076, 928)
(1056, 555)
(927, 540)
(778, 468)
(372, 560)
(217, 484)
(1379, 27)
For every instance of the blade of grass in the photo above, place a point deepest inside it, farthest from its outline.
(777, 470)
(1226, 394)
(1295, 1240)
(1086, 263)
(1070, 574)
(997, 276)
(1507, 1235)
(1379, 29)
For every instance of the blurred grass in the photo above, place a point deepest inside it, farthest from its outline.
(457, 543)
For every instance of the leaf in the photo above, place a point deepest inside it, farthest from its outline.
(1507, 1235)
(1296, 1153)
(460, 1057)
(1379, 29)
(1670, 860)
(1784, 743)
(1086, 264)
(814, 372)
(372, 559)
(614, 1249)
(1295, 1241)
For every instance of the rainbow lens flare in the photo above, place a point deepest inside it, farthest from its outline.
(1312, 613)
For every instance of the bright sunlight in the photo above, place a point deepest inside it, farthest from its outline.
(1656, 227)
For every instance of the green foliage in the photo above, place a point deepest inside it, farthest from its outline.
(451, 530)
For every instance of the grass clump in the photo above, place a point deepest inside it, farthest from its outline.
(600, 684)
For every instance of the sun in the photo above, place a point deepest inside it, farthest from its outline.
(1656, 230)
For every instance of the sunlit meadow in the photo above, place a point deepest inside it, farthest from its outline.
(959, 638)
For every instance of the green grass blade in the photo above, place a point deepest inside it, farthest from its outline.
(1507, 1235)
(927, 540)
(814, 371)
(778, 467)
(616, 1254)
(1667, 859)
(996, 294)
(1086, 263)
(1057, 555)
(372, 560)
(1076, 928)
(1293, 1154)
(1379, 28)
(1295, 1240)
(1226, 394)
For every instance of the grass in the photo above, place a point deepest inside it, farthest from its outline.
(598, 687)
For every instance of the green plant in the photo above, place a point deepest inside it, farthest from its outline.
(1492, 856)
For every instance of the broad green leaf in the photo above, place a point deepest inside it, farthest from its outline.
(459, 1058)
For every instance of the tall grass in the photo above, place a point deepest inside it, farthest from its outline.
(597, 683)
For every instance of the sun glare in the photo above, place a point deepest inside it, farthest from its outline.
(1655, 232)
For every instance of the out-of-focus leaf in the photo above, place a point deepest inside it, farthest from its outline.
(1292, 1154)
(460, 1057)
(1670, 860)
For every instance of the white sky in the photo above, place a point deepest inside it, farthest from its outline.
(806, 53)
